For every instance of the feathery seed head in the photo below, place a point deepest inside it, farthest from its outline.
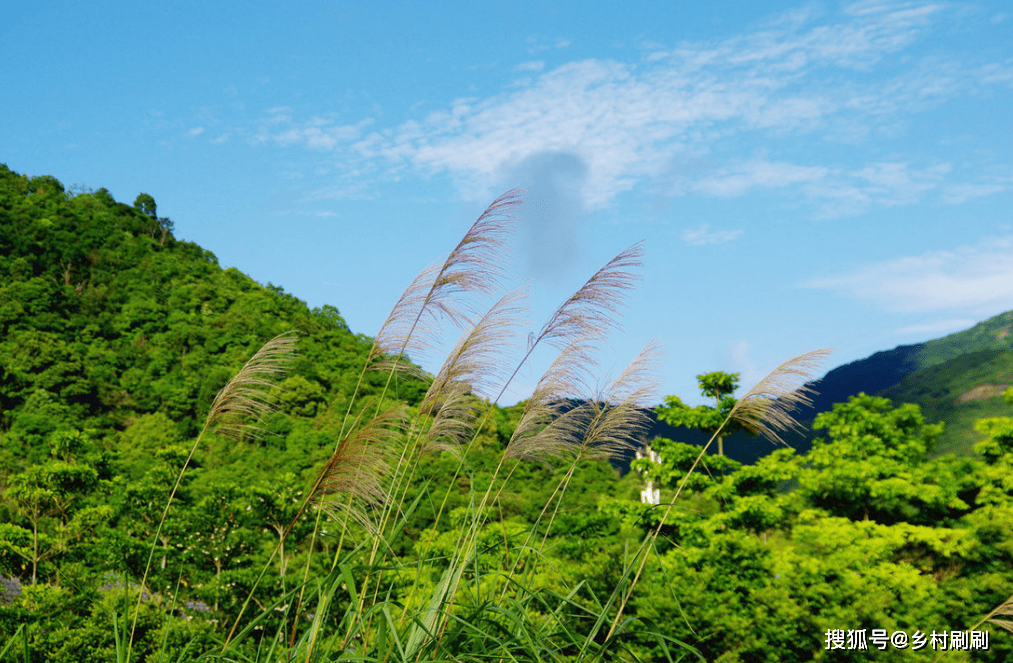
(472, 366)
(767, 408)
(596, 306)
(603, 424)
(247, 396)
(474, 267)
(359, 464)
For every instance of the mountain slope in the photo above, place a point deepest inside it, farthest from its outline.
(934, 375)
(110, 325)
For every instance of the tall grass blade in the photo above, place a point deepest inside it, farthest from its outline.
(10, 643)
(245, 397)
(450, 580)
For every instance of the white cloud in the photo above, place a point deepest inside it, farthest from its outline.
(628, 122)
(969, 279)
(538, 43)
(196, 131)
(881, 184)
(703, 235)
(959, 193)
(996, 73)
(757, 173)
(937, 327)
(532, 65)
(317, 133)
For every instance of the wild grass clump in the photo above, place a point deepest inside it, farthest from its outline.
(372, 603)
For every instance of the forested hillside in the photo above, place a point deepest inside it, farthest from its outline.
(956, 379)
(112, 326)
(197, 467)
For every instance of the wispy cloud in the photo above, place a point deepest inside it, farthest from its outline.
(969, 279)
(960, 193)
(880, 184)
(318, 133)
(737, 180)
(945, 326)
(196, 131)
(703, 235)
(531, 65)
(538, 43)
(801, 76)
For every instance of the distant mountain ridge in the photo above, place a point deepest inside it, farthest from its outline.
(956, 379)
(887, 368)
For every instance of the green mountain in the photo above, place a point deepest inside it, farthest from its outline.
(959, 391)
(955, 379)
(111, 325)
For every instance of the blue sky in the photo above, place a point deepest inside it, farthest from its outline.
(802, 174)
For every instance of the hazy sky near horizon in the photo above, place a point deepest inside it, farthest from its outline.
(802, 174)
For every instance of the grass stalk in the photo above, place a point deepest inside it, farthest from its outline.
(244, 399)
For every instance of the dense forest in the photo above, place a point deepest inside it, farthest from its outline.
(194, 466)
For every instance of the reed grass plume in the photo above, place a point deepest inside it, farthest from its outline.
(626, 400)
(244, 399)
(1006, 610)
(597, 305)
(566, 378)
(575, 327)
(767, 408)
(564, 418)
(472, 367)
(239, 407)
(474, 267)
(357, 467)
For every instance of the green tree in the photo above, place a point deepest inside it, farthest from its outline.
(717, 385)
(220, 534)
(871, 465)
(275, 507)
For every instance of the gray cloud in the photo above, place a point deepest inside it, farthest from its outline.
(550, 238)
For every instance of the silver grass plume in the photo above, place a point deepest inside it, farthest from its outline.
(471, 367)
(596, 306)
(603, 425)
(358, 465)
(767, 408)
(625, 402)
(239, 406)
(588, 315)
(1006, 610)
(473, 267)
(245, 398)
(566, 378)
